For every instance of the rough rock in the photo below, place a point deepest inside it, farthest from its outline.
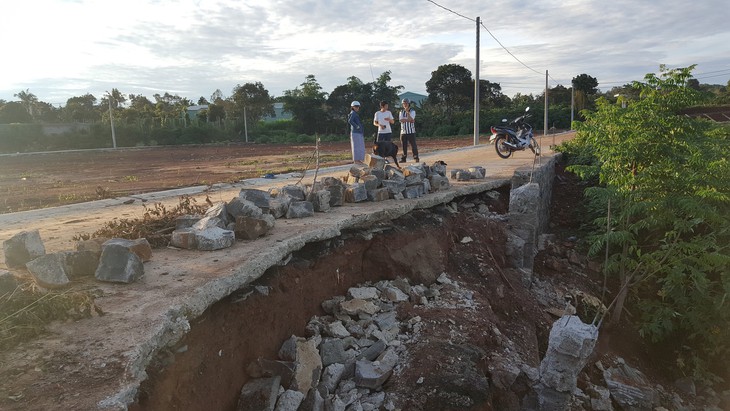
(300, 209)
(259, 395)
(22, 248)
(49, 270)
(118, 263)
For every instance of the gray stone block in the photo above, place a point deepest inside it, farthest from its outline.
(80, 263)
(259, 197)
(49, 270)
(356, 193)
(118, 264)
(22, 248)
(300, 209)
(214, 238)
(259, 395)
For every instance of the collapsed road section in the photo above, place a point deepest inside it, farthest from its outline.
(149, 318)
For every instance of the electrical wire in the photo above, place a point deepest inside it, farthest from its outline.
(449, 10)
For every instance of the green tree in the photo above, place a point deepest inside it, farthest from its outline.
(490, 95)
(14, 112)
(170, 108)
(450, 89)
(255, 100)
(81, 109)
(306, 103)
(338, 101)
(28, 100)
(665, 176)
(585, 87)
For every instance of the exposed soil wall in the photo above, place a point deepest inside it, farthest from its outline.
(206, 370)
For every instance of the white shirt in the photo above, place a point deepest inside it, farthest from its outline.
(380, 118)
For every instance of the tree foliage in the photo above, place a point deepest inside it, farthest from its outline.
(665, 178)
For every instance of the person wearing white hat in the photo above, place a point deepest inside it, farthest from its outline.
(357, 133)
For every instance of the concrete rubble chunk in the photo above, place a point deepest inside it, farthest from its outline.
(259, 395)
(49, 270)
(337, 194)
(356, 193)
(242, 207)
(279, 206)
(413, 191)
(186, 221)
(260, 198)
(320, 200)
(629, 388)
(300, 209)
(332, 351)
(371, 182)
(214, 238)
(80, 263)
(289, 401)
(359, 170)
(379, 194)
(92, 244)
(22, 248)
(570, 344)
(394, 186)
(308, 365)
(358, 306)
(251, 228)
(337, 329)
(478, 172)
(374, 161)
(209, 222)
(363, 292)
(218, 210)
(262, 367)
(331, 376)
(372, 374)
(439, 167)
(140, 246)
(184, 238)
(296, 192)
(118, 263)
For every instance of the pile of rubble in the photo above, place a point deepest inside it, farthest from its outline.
(348, 355)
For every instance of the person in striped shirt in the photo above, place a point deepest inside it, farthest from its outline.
(408, 130)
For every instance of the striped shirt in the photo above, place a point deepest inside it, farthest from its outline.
(406, 127)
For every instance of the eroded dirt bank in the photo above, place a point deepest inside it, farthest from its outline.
(207, 368)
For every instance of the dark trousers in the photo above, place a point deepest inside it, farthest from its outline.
(384, 136)
(409, 138)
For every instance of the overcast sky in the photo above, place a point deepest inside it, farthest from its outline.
(64, 48)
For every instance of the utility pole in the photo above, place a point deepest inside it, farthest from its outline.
(476, 93)
(111, 120)
(544, 131)
(245, 124)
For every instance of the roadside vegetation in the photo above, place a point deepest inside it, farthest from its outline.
(660, 216)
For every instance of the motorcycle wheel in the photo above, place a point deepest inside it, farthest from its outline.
(534, 146)
(501, 148)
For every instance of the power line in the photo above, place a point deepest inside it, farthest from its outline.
(508, 52)
(451, 11)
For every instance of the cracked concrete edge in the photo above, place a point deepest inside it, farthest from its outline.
(175, 323)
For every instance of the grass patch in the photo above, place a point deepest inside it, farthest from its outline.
(27, 311)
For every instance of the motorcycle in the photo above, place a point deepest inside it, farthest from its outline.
(515, 136)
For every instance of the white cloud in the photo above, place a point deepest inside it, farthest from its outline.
(63, 48)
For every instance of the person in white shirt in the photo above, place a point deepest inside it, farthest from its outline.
(382, 120)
